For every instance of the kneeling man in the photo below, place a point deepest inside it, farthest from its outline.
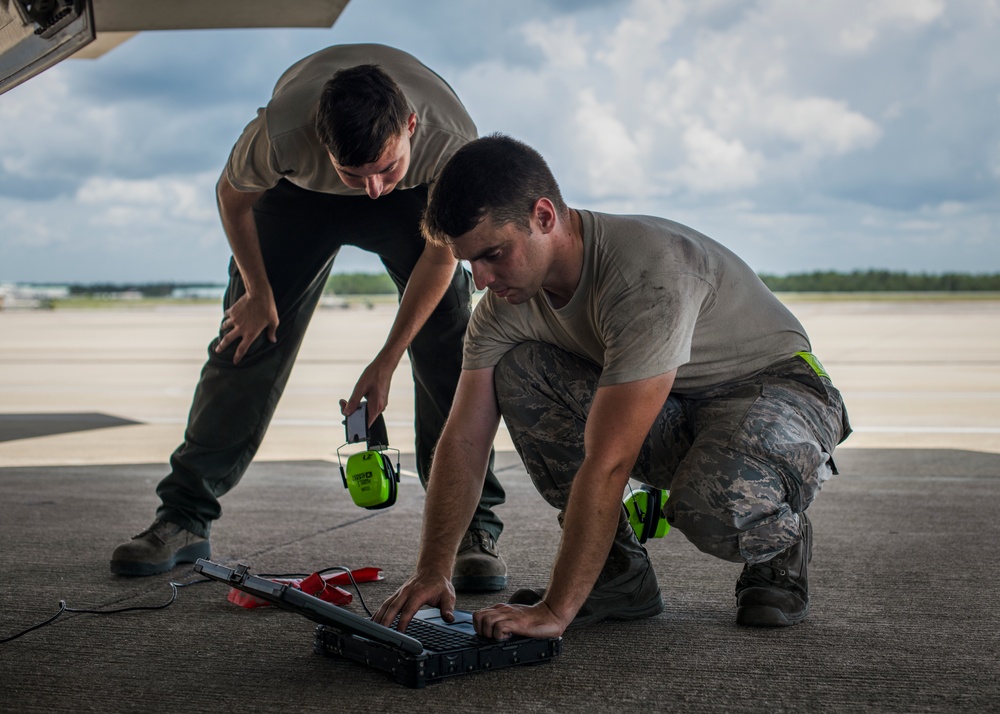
(618, 347)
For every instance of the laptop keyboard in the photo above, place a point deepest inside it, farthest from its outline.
(437, 637)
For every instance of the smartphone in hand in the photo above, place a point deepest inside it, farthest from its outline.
(357, 424)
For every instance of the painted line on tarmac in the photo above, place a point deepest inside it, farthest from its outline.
(927, 429)
(274, 422)
(404, 424)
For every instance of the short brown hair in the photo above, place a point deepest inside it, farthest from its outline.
(494, 176)
(360, 110)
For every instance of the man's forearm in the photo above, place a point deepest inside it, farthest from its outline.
(453, 492)
(619, 420)
(428, 282)
(456, 484)
(236, 212)
(589, 527)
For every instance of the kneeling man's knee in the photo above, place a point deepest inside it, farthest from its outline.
(732, 524)
(516, 372)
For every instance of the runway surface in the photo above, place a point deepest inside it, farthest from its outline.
(92, 403)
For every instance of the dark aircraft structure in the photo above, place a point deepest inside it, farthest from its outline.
(36, 34)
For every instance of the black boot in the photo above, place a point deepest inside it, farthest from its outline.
(776, 593)
(626, 589)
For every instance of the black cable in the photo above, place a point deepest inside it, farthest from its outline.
(350, 576)
(173, 597)
(62, 609)
(86, 611)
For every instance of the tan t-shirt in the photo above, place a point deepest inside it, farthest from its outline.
(281, 142)
(654, 296)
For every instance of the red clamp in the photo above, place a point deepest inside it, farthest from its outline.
(325, 587)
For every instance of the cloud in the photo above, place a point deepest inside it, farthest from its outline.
(563, 47)
(636, 45)
(806, 118)
(869, 19)
(671, 109)
(121, 203)
(614, 164)
(821, 126)
(61, 136)
(164, 228)
(715, 164)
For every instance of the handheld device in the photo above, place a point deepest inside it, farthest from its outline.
(369, 476)
(356, 424)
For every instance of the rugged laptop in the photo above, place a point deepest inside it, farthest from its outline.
(430, 649)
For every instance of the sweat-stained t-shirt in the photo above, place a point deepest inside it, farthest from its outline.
(654, 296)
(281, 143)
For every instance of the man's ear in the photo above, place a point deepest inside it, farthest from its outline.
(411, 124)
(545, 214)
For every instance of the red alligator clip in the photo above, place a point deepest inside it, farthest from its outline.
(322, 586)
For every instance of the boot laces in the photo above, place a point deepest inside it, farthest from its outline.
(156, 530)
(771, 573)
(477, 540)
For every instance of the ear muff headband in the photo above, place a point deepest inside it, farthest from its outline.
(651, 518)
(393, 479)
(644, 510)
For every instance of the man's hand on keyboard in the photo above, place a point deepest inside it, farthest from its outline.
(503, 620)
(421, 589)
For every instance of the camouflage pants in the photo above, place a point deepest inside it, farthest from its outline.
(741, 459)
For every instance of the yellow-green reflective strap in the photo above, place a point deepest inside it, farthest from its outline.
(811, 360)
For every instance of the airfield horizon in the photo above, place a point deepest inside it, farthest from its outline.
(915, 372)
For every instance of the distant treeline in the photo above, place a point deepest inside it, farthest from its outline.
(340, 283)
(151, 290)
(820, 282)
(875, 281)
(360, 284)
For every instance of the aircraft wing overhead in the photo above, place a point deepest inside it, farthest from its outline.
(36, 34)
(33, 38)
(137, 15)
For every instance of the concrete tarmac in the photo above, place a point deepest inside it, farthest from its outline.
(93, 402)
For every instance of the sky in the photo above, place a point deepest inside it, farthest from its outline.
(828, 135)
